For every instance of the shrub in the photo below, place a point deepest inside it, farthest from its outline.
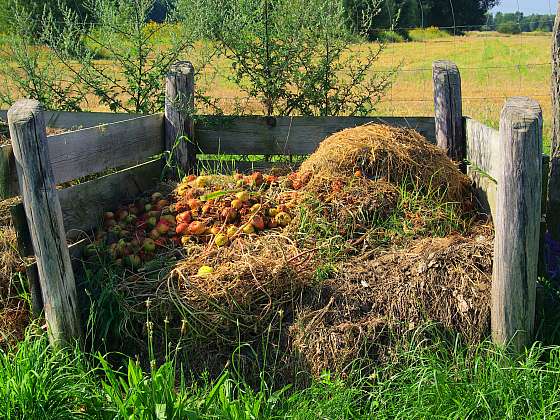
(511, 28)
(427, 34)
(294, 56)
(389, 37)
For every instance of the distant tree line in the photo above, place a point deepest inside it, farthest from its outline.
(513, 23)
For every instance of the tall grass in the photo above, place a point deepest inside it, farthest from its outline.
(423, 380)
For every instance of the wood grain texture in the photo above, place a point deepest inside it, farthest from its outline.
(228, 167)
(179, 108)
(83, 205)
(448, 109)
(78, 120)
(44, 218)
(83, 152)
(286, 135)
(8, 175)
(553, 203)
(483, 153)
(517, 223)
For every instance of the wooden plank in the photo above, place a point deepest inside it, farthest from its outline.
(286, 135)
(44, 218)
(83, 152)
(92, 150)
(483, 154)
(83, 205)
(243, 166)
(517, 223)
(8, 177)
(78, 120)
(448, 109)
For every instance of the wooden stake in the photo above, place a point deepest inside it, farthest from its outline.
(553, 205)
(517, 223)
(179, 108)
(449, 110)
(44, 218)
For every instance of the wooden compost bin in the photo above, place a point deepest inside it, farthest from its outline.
(506, 167)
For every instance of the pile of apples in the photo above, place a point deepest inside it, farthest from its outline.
(202, 209)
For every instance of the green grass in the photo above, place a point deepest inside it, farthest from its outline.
(424, 380)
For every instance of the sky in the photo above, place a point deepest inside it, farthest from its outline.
(527, 6)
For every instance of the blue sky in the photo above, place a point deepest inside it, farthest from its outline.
(527, 6)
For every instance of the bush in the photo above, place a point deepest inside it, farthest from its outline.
(511, 28)
(389, 37)
(427, 34)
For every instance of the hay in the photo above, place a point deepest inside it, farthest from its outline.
(442, 280)
(380, 152)
(254, 281)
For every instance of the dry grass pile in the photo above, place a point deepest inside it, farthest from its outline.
(360, 310)
(225, 293)
(380, 152)
(14, 313)
(359, 263)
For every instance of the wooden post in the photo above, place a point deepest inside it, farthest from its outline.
(553, 204)
(44, 218)
(517, 223)
(179, 108)
(450, 135)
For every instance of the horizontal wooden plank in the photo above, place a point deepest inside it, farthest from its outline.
(483, 155)
(84, 204)
(286, 135)
(92, 150)
(228, 167)
(77, 120)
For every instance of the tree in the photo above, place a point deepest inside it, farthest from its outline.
(294, 56)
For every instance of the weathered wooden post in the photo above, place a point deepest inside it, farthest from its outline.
(44, 217)
(553, 207)
(179, 108)
(517, 223)
(448, 109)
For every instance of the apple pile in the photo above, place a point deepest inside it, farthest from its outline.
(211, 210)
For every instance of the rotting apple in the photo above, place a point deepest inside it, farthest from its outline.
(258, 222)
(181, 228)
(197, 228)
(221, 239)
(149, 245)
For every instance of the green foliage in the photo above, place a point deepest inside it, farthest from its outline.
(32, 72)
(531, 23)
(422, 380)
(37, 382)
(512, 28)
(133, 80)
(389, 36)
(294, 56)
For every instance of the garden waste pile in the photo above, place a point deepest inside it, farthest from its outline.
(374, 235)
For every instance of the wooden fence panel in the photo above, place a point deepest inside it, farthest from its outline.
(483, 155)
(286, 135)
(77, 120)
(83, 152)
(83, 205)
